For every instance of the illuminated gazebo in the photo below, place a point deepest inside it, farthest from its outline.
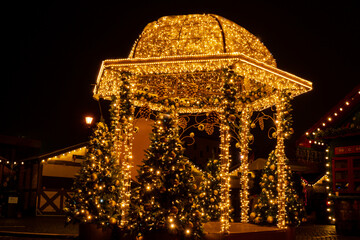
(201, 64)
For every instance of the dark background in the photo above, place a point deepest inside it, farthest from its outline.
(52, 52)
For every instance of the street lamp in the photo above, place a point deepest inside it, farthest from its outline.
(89, 120)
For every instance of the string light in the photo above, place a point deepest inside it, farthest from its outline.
(328, 178)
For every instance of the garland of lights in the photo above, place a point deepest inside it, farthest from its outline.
(122, 122)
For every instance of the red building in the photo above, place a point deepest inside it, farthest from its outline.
(332, 146)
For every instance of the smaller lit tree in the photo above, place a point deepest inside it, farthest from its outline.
(96, 187)
(166, 199)
(210, 190)
(266, 209)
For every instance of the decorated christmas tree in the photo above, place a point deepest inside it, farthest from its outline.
(166, 200)
(266, 209)
(96, 187)
(210, 190)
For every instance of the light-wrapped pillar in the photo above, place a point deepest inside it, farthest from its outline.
(126, 165)
(280, 155)
(244, 167)
(224, 175)
(123, 130)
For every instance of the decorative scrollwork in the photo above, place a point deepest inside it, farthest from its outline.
(260, 120)
(182, 122)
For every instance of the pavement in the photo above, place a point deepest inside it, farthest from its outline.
(320, 232)
(53, 228)
(44, 227)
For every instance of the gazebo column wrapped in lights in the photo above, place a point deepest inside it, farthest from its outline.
(196, 64)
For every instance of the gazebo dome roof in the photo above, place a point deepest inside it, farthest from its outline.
(198, 34)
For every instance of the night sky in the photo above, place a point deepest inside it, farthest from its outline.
(52, 53)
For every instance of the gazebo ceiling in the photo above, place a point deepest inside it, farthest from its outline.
(184, 57)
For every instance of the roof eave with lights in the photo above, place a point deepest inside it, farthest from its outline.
(332, 116)
(243, 65)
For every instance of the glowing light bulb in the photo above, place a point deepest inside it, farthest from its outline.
(89, 120)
